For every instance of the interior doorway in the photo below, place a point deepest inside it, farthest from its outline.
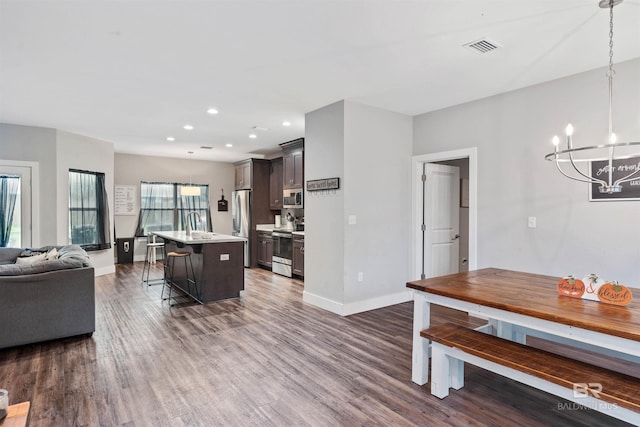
(24, 230)
(456, 235)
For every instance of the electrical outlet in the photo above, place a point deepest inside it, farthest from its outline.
(224, 257)
(360, 276)
(352, 219)
(532, 222)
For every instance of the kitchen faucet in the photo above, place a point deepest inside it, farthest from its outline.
(188, 229)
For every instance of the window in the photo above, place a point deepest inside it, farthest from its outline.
(88, 210)
(10, 224)
(162, 208)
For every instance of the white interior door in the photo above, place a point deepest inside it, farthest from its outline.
(441, 219)
(22, 214)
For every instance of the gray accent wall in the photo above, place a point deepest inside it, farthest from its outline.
(512, 132)
(369, 149)
(36, 144)
(56, 152)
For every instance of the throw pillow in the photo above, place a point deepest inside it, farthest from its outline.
(52, 254)
(31, 259)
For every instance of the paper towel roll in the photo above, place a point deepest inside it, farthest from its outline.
(277, 224)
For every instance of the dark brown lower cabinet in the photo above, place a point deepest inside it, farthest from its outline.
(265, 249)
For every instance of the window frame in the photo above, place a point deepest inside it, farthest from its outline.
(177, 209)
(100, 207)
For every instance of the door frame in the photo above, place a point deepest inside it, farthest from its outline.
(35, 195)
(417, 203)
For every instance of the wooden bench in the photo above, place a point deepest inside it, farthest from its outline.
(613, 393)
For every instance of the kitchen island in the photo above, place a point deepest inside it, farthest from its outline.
(218, 263)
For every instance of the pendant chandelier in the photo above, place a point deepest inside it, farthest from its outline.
(605, 152)
(190, 190)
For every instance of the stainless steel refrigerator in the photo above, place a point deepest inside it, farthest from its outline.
(241, 214)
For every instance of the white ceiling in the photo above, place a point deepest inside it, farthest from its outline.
(134, 72)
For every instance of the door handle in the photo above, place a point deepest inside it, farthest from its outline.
(457, 236)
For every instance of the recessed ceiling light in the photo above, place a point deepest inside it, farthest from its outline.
(253, 136)
(285, 123)
(228, 145)
(188, 127)
(170, 138)
(212, 111)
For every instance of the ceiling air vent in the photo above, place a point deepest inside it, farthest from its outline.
(482, 46)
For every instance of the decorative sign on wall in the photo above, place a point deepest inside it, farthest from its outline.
(323, 184)
(125, 200)
(621, 168)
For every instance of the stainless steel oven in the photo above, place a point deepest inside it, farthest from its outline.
(282, 252)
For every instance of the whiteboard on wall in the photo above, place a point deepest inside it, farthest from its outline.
(125, 200)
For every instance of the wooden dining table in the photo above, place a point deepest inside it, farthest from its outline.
(517, 304)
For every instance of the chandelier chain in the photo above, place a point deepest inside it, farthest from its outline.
(611, 72)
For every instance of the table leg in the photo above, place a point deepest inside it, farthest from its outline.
(420, 351)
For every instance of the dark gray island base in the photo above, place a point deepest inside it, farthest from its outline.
(218, 264)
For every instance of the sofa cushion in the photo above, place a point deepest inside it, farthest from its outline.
(9, 255)
(40, 267)
(70, 256)
(28, 260)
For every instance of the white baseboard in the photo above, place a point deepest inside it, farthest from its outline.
(104, 270)
(357, 306)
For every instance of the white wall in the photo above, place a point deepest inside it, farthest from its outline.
(370, 150)
(513, 132)
(131, 169)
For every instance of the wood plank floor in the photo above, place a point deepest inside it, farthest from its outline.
(266, 359)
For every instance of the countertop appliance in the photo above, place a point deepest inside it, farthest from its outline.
(282, 252)
(241, 215)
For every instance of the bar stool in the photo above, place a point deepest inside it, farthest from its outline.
(170, 275)
(150, 258)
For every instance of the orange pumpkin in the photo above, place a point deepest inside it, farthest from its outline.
(571, 287)
(613, 293)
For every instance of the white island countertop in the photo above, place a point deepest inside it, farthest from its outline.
(198, 237)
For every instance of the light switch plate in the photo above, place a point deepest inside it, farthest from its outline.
(352, 219)
(224, 257)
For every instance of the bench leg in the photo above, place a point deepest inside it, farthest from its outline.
(440, 371)
(420, 351)
(456, 373)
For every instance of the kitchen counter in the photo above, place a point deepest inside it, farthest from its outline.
(198, 237)
(218, 263)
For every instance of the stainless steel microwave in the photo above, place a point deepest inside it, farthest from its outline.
(292, 198)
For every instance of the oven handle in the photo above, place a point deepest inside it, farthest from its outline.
(285, 235)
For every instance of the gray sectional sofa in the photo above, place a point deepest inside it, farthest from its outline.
(48, 299)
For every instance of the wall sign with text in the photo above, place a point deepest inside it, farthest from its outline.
(621, 168)
(125, 200)
(323, 184)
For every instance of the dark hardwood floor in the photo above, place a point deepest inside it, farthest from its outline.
(266, 359)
